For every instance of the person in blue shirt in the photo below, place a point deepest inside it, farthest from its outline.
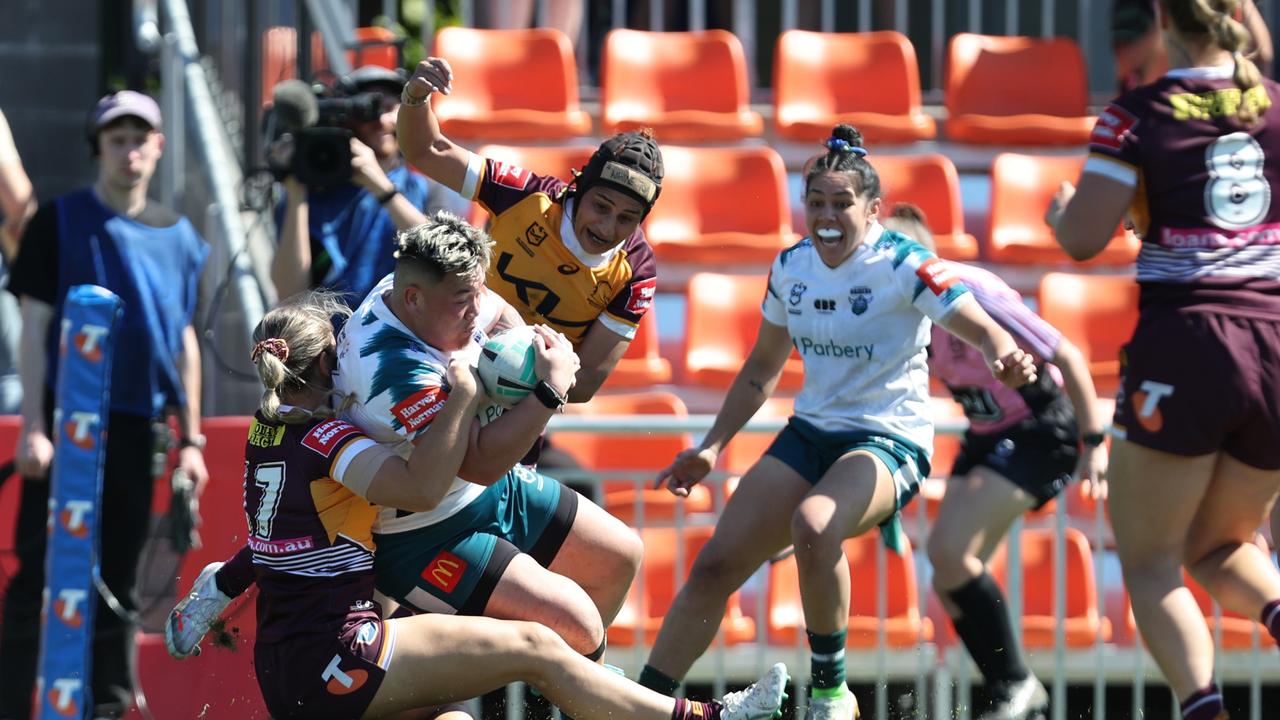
(342, 238)
(109, 234)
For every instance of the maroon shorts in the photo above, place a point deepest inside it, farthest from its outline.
(325, 678)
(1196, 382)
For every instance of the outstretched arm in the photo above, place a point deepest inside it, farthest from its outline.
(1009, 364)
(418, 128)
(753, 385)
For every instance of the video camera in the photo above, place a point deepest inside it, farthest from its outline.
(321, 128)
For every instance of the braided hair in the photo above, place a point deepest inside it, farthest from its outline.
(1213, 18)
(629, 162)
(845, 154)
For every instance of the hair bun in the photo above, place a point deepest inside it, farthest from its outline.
(840, 145)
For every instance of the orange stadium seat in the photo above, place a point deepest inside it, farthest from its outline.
(685, 85)
(1236, 630)
(510, 84)
(374, 46)
(1097, 313)
(642, 452)
(722, 317)
(1021, 188)
(997, 91)
(903, 625)
(651, 595)
(555, 161)
(642, 366)
(869, 80)
(930, 182)
(746, 448)
(721, 206)
(1081, 620)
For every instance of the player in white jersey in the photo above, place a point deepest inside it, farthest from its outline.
(505, 541)
(856, 302)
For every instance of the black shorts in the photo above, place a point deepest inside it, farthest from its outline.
(1038, 456)
(322, 677)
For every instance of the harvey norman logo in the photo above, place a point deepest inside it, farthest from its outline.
(808, 346)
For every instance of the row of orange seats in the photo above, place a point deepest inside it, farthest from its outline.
(523, 85)
(730, 205)
(1096, 312)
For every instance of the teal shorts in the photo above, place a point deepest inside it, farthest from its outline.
(454, 565)
(811, 452)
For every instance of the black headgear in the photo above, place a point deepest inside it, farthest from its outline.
(628, 162)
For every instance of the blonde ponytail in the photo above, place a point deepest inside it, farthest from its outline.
(287, 343)
(1232, 36)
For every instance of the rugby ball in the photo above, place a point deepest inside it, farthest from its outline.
(506, 365)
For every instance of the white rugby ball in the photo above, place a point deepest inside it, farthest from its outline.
(506, 365)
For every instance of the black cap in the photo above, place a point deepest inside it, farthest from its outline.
(375, 77)
(629, 162)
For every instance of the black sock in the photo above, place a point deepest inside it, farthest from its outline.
(987, 631)
(658, 681)
(1203, 704)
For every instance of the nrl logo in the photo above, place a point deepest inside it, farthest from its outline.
(797, 292)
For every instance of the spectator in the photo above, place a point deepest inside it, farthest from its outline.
(1140, 55)
(151, 257)
(342, 238)
(17, 205)
(563, 15)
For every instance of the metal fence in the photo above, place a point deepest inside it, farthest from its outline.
(939, 678)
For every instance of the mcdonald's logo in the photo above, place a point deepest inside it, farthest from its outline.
(445, 571)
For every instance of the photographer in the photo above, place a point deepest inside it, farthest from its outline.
(340, 235)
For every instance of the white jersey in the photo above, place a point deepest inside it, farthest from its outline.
(399, 384)
(861, 330)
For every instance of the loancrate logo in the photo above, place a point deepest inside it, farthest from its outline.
(89, 342)
(65, 695)
(808, 346)
(68, 605)
(73, 518)
(82, 429)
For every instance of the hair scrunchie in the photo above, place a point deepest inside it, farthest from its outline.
(842, 146)
(271, 346)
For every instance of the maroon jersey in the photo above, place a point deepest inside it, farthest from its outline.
(310, 534)
(1205, 183)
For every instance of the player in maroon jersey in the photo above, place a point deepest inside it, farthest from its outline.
(1192, 158)
(323, 649)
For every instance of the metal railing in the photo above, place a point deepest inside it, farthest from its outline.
(940, 680)
(193, 121)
